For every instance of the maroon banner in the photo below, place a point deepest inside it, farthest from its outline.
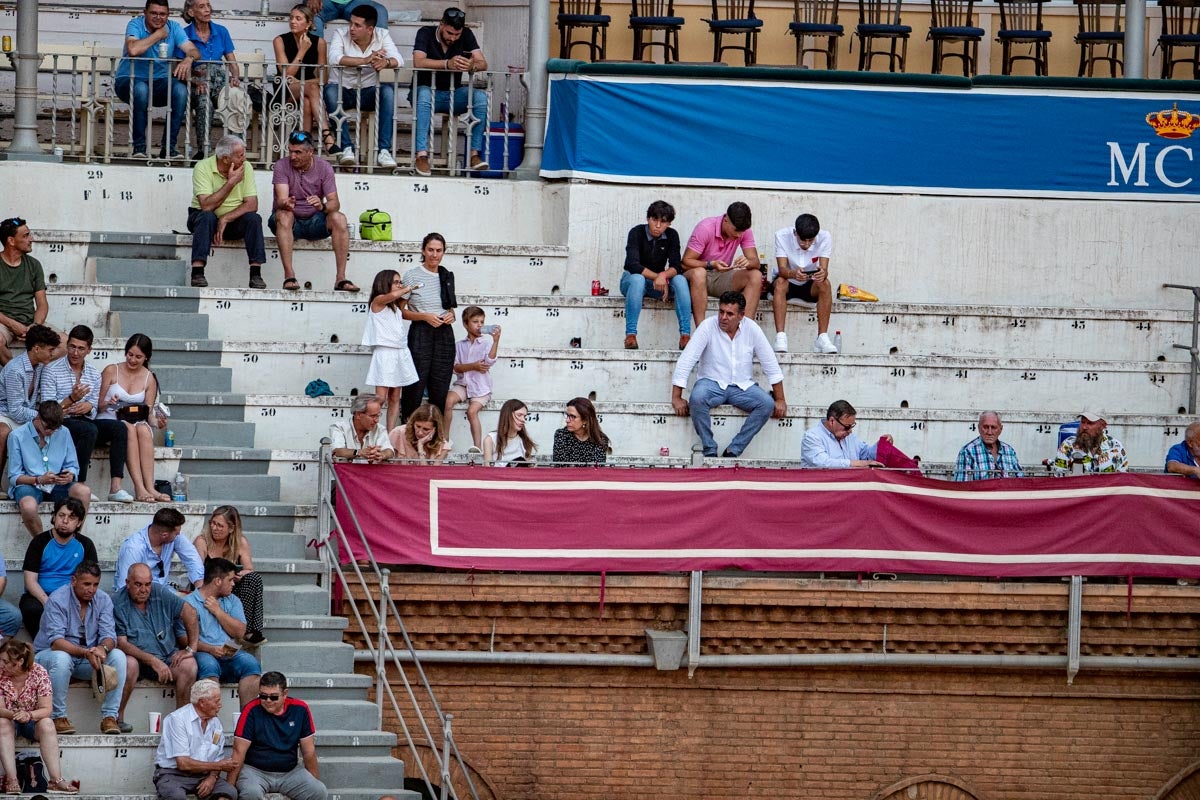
(656, 520)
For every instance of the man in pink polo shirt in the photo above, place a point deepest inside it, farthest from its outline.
(712, 265)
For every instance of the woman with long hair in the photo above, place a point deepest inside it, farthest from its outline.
(386, 334)
(25, 707)
(510, 442)
(128, 392)
(223, 537)
(423, 436)
(430, 309)
(581, 441)
(300, 56)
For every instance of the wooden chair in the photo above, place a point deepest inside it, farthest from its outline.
(816, 19)
(587, 16)
(1180, 30)
(648, 16)
(953, 21)
(1097, 30)
(735, 18)
(880, 19)
(1021, 23)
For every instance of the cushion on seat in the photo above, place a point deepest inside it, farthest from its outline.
(584, 19)
(646, 22)
(1179, 38)
(1100, 36)
(884, 30)
(1024, 35)
(957, 30)
(734, 24)
(815, 27)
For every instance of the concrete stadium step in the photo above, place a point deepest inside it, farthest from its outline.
(164, 324)
(306, 628)
(193, 378)
(307, 656)
(200, 432)
(298, 600)
(242, 487)
(133, 298)
(140, 270)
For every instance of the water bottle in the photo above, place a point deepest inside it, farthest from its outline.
(179, 488)
(837, 340)
(169, 439)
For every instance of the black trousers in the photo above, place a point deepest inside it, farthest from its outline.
(432, 352)
(31, 612)
(90, 433)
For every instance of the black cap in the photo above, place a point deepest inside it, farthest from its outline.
(454, 17)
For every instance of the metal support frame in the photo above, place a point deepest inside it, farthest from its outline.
(1074, 620)
(1135, 38)
(538, 89)
(695, 600)
(1194, 348)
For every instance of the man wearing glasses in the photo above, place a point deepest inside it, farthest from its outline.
(441, 54)
(307, 207)
(22, 287)
(268, 734)
(147, 614)
(833, 444)
(42, 465)
(155, 545)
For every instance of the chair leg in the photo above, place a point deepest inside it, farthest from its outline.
(862, 53)
(716, 46)
(831, 53)
(892, 57)
(903, 53)
(937, 57)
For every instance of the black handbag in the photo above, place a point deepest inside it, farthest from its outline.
(134, 413)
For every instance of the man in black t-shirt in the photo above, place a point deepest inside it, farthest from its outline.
(653, 267)
(441, 54)
(268, 733)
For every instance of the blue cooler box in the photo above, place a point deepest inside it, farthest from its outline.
(493, 149)
(1067, 430)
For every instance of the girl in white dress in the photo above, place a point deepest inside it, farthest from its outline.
(387, 336)
(132, 384)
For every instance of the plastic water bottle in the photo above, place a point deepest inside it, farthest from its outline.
(179, 489)
(169, 439)
(837, 340)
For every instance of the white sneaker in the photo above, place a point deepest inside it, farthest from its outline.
(346, 156)
(823, 344)
(385, 159)
(781, 342)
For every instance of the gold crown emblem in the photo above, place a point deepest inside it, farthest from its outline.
(1173, 124)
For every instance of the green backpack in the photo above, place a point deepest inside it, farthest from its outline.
(375, 225)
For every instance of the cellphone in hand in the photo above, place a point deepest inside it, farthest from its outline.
(488, 329)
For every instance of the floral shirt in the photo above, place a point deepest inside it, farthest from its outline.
(37, 685)
(1110, 458)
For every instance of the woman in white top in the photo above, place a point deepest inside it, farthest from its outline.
(387, 336)
(130, 385)
(510, 441)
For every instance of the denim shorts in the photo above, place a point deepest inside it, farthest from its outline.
(59, 492)
(311, 229)
(227, 670)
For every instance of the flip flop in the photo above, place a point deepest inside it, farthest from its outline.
(345, 286)
(291, 285)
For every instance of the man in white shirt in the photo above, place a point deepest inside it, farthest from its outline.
(725, 350)
(362, 436)
(832, 444)
(801, 273)
(363, 51)
(191, 751)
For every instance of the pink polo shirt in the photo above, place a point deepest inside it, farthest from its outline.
(706, 240)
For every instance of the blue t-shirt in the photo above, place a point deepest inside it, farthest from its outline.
(153, 630)
(54, 561)
(275, 739)
(211, 631)
(136, 29)
(1182, 454)
(218, 46)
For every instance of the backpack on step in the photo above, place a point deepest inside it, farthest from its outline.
(375, 225)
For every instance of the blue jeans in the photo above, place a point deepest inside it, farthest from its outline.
(141, 102)
(62, 667)
(364, 99)
(331, 10)
(707, 395)
(635, 287)
(427, 104)
(227, 670)
(10, 619)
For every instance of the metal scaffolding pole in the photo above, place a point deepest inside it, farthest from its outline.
(535, 108)
(1135, 39)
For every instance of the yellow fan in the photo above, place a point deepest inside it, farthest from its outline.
(848, 292)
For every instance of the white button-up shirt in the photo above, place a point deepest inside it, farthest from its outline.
(359, 77)
(182, 735)
(727, 360)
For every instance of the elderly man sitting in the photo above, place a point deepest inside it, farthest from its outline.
(190, 753)
(362, 436)
(225, 206)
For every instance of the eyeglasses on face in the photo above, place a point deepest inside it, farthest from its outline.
(846, 427)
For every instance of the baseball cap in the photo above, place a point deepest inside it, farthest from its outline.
(1093, 414)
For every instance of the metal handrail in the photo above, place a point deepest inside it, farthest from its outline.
(1194, 348)
(387, 648)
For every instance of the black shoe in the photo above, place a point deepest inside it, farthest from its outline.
(254, 638)
(727, 454)
(257, 282)
(198, 280)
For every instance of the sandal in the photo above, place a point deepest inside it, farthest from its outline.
(291, 285)
(12, 785)
(62, 786)
(345, 285)
(329, 142)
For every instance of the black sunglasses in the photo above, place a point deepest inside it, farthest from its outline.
(300, 137)
(159, 569)
(271, 697)
(455, 15)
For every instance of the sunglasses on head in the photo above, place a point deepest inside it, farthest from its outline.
(455, 15)
(300, 137)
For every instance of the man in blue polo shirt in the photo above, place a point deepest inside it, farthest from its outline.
(152, 39)
(155, 545)
(42, 464)
(51, 559)
(222, 622)
(268, 734)
(1181, 458)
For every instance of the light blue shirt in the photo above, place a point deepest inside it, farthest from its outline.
(137, 550)
(58, 381)
(822, 450)
(27, 457)
(60, 620)
(211, 631)
(136, 29)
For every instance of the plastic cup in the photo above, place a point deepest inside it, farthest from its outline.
(155, 722)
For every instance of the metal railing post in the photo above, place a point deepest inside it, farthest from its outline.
(1074, 623)
(1194, 348)
(447, 737)
(695, 598)
(380, 651)
(324, 487)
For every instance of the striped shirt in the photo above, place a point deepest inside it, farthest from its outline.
(19, 377)
(976, 462)
(58, 381)
(427, 299)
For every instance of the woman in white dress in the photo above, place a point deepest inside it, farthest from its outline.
(128, 392)
(387, 335)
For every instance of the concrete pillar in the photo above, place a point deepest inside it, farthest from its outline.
(535, 110)
(25, 142)
(1135, 39)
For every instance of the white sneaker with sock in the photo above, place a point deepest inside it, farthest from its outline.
(823, 344)
(385, 159)
(346, 156)
(781, 342)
